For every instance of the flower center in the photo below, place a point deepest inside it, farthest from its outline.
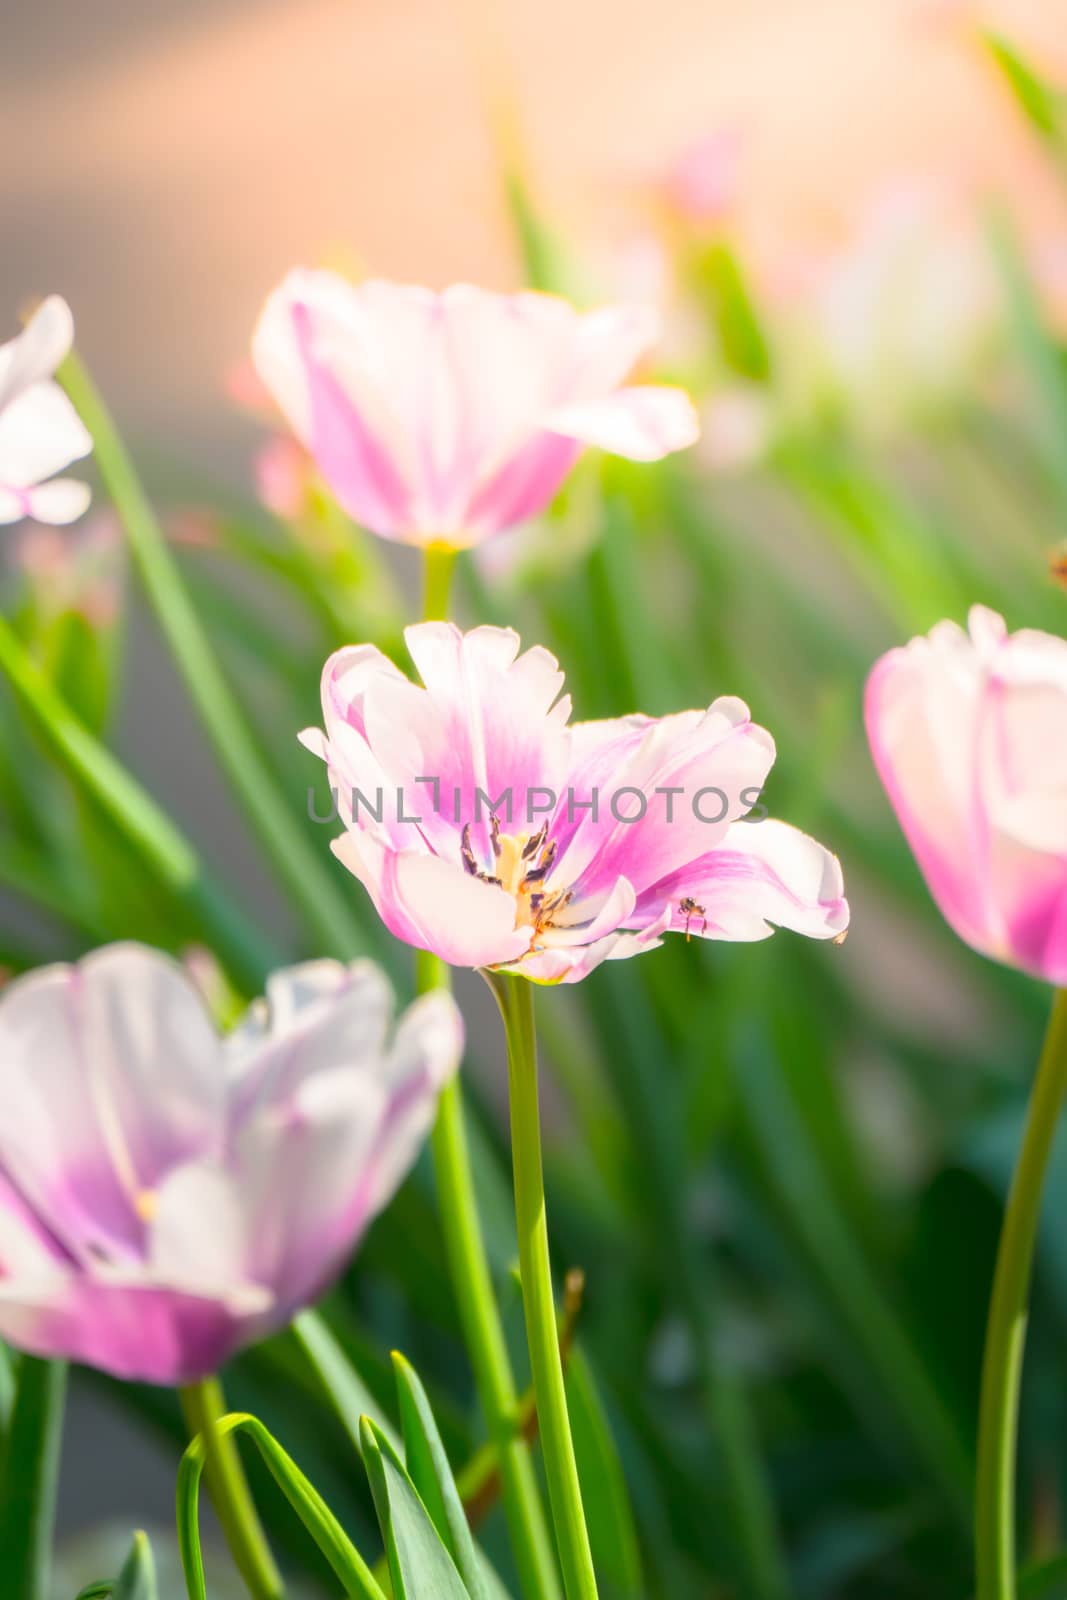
(521, 863)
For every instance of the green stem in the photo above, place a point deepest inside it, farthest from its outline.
(515, 998)
(482, 1329)
(437, 579)
(29, 1477)
(998, 1414)
(203, 1406)
(164, 850)
(300, 866)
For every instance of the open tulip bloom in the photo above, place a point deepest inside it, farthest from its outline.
(969, 735)
(40, 432)
(168, 1196)
(491, 831)
(444, 418)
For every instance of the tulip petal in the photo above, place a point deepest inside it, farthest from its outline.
(643, 423)
(764, 875)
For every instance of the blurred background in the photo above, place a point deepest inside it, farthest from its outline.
(782, 1168)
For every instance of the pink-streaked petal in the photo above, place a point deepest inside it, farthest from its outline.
(764, 875)
(643, 423)
(716, 761)
(433, 416)
(137, 1331)
(313, 1178)
(433, 905)
(922, 716)
(316, 1017)
(87, 1123)
(487, 726)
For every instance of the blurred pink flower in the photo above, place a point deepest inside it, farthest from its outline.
(489, 830)
(969, 735)
(76, 570)
(445, 418)
(282, 470)
(40, 431)
(167, 1196)
(702, 185)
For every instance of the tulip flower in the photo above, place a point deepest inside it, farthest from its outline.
(444, 418)
(168, 1196)
(490, 831)
(40, 432)
(969, 735)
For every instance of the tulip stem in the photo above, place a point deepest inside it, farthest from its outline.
(483, 1332)
(437, 579)
(998, 1414)
(515, 998)
(203, 1406)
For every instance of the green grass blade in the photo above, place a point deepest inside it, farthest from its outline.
(431, 1475)
(306, 871)
(420, 1567)
(159, 843)
(348, 1394)
(29, 1478)
(318, 1519)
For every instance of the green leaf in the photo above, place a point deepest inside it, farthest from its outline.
(161, 846)
(29, 1477)
(137, 1580)
(346, 1390)
(431, 1475)
(1040, 102)
(608, 1513)
(299, 864)
(722, 279)
(420, 1566)
(1040, 354)
(302, 1495)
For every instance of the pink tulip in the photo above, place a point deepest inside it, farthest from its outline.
(969, 735)
(167, 1196)
(40, 432)
(489, 830)
(702, 185)
(445, 418)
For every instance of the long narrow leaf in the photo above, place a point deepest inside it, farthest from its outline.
(304, 1498)
(419, 1564)
(431, 1474)
(347, 1393)
(315, 890)
(29, 1478)
(158, 842)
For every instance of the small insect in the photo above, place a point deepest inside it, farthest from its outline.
(1057, 566)
(689, 909)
